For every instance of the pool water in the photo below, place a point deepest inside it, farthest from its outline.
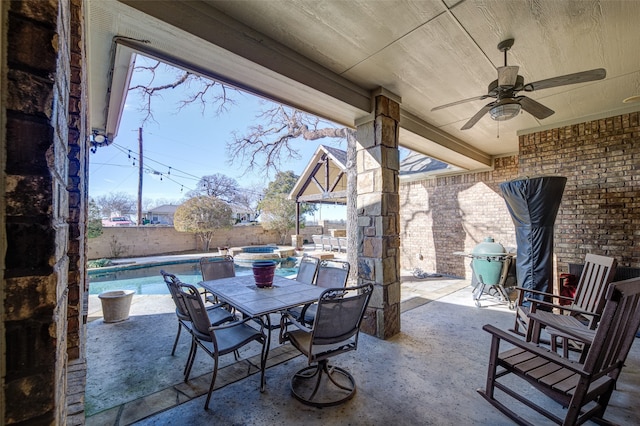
(146, 279)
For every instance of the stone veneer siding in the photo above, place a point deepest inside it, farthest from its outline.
(440, 216)
(600, 210)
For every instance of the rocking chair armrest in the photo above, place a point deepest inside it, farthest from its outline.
(530, 290)
(584, 335)
(543, 293)
(535, 349)
(522, 291)
(565, 308)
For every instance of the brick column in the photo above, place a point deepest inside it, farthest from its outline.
(36, 210)
(378, 215)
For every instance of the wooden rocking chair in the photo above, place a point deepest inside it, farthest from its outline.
(584, 388)
(584, 308)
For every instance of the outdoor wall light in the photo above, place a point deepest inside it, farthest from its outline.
(98, 139)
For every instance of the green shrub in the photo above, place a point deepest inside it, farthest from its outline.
(99, 263)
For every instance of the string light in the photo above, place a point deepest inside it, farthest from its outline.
(183, 174)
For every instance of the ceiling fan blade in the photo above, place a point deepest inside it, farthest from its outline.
(469, 124)
(534, 108)
(507, 76)
(477, 98)
(563, 80)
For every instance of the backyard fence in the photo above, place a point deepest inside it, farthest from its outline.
(140, 241)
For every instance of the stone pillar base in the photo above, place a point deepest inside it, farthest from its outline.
(297, 241)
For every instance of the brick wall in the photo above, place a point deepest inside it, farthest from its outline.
(599, 213)
(440, 216)
(36, 211)
(600, 210)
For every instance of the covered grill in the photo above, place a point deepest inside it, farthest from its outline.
(490, 265)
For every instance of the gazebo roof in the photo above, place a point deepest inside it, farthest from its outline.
(324, 180)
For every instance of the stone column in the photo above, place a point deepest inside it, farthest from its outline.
(297, 241)
(378, 214)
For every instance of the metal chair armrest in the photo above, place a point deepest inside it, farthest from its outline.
(232, 324)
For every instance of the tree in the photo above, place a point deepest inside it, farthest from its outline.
(268, 145)
(94, 220)
(216, 185)
(278, 211)
(202, 216)
(116, 204)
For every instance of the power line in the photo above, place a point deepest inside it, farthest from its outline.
(128, 152)
(170, 169)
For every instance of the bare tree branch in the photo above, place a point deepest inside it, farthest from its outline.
(205, 92)
(267, 146)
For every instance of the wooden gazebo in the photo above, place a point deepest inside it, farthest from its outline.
(324, 180)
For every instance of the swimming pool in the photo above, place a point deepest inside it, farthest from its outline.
(146, 279)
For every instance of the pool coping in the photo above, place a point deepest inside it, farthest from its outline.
(127, 266)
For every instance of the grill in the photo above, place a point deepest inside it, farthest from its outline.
(490, 265)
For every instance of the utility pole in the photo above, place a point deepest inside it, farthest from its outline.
(140, 170)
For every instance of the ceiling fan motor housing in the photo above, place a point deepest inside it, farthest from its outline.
(499, 92)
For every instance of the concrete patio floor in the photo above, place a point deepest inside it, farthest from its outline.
(427, 374)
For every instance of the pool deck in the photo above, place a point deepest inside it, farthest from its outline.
(94, 310)
(405, 380)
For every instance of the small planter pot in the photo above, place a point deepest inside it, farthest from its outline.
(263, 272)
(116, 304)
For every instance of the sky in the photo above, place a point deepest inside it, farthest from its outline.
(181, 146)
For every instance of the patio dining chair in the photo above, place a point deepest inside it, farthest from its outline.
(584, 307)
(331, 274)
(218, 340)
(334, 331)
(582, 388)
(307, 269)
(215, 268)
(216, 314)
(317, 242)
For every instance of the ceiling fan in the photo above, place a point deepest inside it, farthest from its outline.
(505, 90)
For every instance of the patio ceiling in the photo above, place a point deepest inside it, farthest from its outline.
(328, 57)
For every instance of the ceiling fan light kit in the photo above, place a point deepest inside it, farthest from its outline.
(505, 112)
(505, 88)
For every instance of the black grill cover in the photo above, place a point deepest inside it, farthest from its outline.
(533, 204)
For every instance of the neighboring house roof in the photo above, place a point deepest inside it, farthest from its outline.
(418, 166)
(170, 209)
(164, 209)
